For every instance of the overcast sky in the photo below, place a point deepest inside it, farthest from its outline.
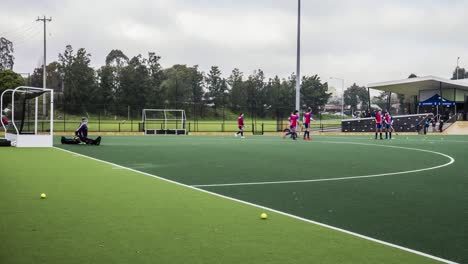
(362, 41)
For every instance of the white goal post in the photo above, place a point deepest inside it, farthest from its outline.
(163, 122)
(22, 127)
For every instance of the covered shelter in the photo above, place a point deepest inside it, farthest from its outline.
(424, 88)
(437, 101)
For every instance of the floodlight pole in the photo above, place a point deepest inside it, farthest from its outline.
(457, 66)
(44, 72)
(298, 65)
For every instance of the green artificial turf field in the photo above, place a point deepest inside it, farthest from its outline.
(192, 126)
(409, 192)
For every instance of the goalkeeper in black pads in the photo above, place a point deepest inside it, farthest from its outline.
(81, 136)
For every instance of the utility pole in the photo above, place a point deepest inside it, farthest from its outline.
(44, 72)
(298, 66)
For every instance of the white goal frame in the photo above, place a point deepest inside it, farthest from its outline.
(31, 139)
(165, 129)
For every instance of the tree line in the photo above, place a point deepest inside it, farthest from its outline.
(141, 82)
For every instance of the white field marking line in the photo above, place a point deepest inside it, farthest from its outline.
(401, 138)
(451, 161)
(270, 209)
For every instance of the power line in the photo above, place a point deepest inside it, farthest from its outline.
(27, 40)
(18, 33)
(25, 36)
(19, 28)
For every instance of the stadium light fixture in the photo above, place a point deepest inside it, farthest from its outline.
(298, 59)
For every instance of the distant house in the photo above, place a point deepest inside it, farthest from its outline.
(332, 108)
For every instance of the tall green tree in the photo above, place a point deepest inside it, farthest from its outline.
(238, 93)
(288, 94)
(314, 93)
(79, 80)
(117, 59)
(381, 100)
(279, 96)
(182, 86)
(6, 54)
(156, 78)
(356, 96)
(216, 86)
(109, 77)
(462, 73)
(9, 80)
(254, 86)
(272, 95)
(195, 106)
(135, 86)
(105, 96)
(54, 76)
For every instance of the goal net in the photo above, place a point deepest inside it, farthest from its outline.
(27, 116)
(163, 122)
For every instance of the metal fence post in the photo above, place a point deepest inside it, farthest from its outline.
(320, 117)
(64, 117)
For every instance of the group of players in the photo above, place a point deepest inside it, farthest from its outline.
(293, 124)
(81, 134)
(381, 121)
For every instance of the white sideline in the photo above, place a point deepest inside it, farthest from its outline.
(442, 138)
(451, 161)
(269, 209)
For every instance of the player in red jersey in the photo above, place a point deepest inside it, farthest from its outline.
(388, 120)
(4, 120)
(240, 123)
(306, 120)
(378, 124)
(288, 133)
(293, 119)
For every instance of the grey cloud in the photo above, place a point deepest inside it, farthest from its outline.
(362, 41)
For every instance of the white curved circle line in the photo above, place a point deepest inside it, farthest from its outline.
(450, 162)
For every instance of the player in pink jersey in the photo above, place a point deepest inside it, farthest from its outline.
(306, 119)
(378, 124)
(388, 120)
(293, 120)
(240, 124)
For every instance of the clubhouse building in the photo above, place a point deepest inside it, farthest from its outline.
(431, 92)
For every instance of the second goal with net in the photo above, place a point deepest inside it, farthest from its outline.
(163, 122)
